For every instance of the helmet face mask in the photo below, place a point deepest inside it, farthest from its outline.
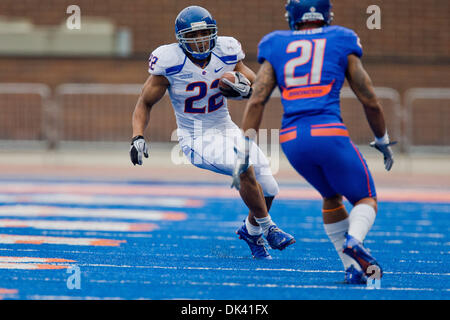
(196, 32)
(303, 11)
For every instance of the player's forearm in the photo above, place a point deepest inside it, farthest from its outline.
(246, 71)
(375, 117)
(262, 89)
(362, 86)
(252, 118)
(141, 118)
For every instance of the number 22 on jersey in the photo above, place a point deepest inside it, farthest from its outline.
(202, 87)
(314, 50)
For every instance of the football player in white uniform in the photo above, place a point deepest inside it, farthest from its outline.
(190, 70)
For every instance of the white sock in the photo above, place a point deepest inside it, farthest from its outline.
(252, 230)
(361, 220)
(336, 232)
(265, 223)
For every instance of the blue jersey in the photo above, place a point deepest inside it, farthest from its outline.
(310, 67)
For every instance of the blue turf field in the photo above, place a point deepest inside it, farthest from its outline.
(197, 255)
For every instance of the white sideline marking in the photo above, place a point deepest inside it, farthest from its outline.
(87, 199)
(248, 269)
(78, 225)
(295, 193)
(25, 239)
(49, 211)
(32, 259)
(31, 266)
(271, 285)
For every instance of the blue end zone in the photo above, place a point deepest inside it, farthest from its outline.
(202, 258)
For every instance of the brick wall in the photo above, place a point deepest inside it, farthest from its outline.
(411, 49)
(409, 28)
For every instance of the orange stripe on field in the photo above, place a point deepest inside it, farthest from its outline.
(50, 267)
(28, 242)
(107, 242)
(58, 260)
(191, 203)
(143, 227)
(329, 132)
(8, 291)
(10, 259)
(288, 136)
(174, 216)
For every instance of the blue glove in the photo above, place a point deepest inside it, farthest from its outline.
(385, 149)
(242, 163)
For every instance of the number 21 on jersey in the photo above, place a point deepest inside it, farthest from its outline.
(314, 50)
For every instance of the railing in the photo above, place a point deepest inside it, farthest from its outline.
(392, 108)
(26, 112)
(102, 113)
(429, 127)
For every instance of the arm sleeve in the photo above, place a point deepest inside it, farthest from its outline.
(156, 63)
(264, 49)
(229, 46)
(238, 49)
(353, 44)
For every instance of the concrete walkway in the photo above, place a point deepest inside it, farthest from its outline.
(103, 162)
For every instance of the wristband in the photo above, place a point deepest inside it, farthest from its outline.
(136, 138)
(383, 140)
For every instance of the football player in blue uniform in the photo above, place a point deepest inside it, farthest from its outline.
(190, 70)
(309, 64)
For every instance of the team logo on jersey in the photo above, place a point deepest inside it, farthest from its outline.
(186, 75)
(306, 92)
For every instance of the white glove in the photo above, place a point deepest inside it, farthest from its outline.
(241, 88)
(242, 164)
(138, 147)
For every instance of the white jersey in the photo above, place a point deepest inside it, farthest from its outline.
(194, 92)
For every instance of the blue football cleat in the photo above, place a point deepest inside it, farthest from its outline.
(278, 239)
(354, 276)
(256, 243)
(356, 250)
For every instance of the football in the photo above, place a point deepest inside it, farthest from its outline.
(229, 75)
(226, 90)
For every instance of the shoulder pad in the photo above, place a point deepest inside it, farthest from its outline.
(265, 47)
(350, 39)
(166, 59)
(229, 50)
(343, 31)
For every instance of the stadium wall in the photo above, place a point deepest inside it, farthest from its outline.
(410, 50)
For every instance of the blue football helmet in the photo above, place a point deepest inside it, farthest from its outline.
(191, 19)
(300, 11)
